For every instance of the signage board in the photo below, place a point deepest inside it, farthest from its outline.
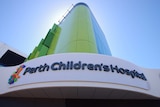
(77, 67)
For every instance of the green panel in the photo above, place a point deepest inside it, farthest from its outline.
(82, 46)
(54, 41)
(48, 39)
(54, 28)
(40, 44)
(33, 53)
(83, 24)
(71, 47)
(36, 55)
(43, 51)
(36, 49)
(93, 48)
(85, 37)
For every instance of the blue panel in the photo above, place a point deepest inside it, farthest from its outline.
(101, 42)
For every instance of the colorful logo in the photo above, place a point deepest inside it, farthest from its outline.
(13, 78)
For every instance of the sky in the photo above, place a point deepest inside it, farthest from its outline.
(131, 27)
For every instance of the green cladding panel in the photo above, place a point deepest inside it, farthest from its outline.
(40, 45)
(43, 51)
(48, 39)
(52, 47)
(32, 55)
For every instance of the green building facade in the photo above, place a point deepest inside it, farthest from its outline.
(77, 32)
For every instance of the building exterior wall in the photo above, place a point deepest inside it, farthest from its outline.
(77, 64)
(78, 32)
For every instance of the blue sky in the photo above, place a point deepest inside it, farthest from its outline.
(132, 27)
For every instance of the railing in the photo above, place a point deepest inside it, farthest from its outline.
(65, 14)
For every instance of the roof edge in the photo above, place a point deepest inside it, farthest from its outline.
(81, 3)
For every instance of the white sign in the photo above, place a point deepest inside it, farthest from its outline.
(77, 67)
